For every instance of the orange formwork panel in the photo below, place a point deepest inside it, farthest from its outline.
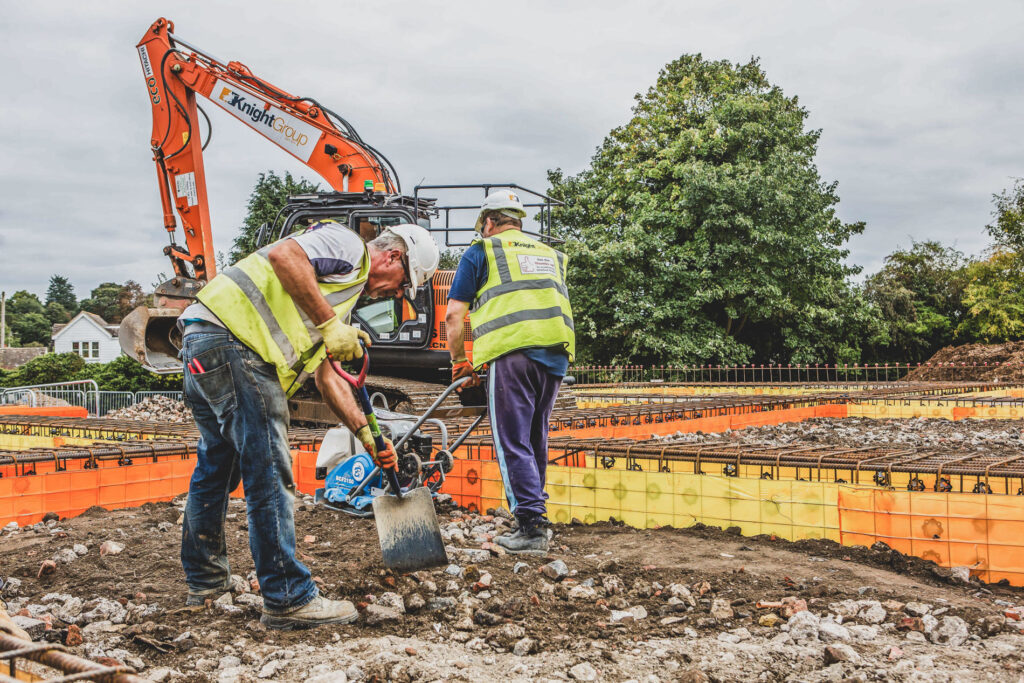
(45, 411)
(982, 532)
(26, 499)
(26, 496)
(304, 469)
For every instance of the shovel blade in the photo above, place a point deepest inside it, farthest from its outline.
(410, 537)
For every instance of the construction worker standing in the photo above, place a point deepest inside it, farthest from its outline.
(261, 329)
(523, 329)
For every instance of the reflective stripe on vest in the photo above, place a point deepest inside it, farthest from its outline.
(253, 304)
(524, 302)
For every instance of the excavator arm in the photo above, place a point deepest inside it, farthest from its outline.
(175, 74)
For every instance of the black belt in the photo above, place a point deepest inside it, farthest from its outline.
(201, 326)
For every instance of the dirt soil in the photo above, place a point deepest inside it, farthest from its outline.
(651, 605)
(974, 354)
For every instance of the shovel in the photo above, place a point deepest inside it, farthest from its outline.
(410, 537)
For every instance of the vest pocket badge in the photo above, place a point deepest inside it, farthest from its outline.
(536, 265)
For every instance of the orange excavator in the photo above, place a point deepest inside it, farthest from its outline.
(408, 334)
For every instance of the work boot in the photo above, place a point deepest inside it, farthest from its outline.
(316, 612)
(531, 538)
(199, 599)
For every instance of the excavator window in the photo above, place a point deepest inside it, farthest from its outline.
(381, 316)
(369, 226)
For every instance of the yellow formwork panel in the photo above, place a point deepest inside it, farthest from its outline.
(786, 509)
(686, 498)
(558, 486)
(19, 442)
(560, 514)
(776, 506)
(889, 409)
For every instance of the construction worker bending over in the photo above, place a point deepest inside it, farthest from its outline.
(261, 329)
(522, 328)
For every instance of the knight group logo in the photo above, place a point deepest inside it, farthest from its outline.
(259, 113)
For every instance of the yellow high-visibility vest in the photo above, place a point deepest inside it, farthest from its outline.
(524, 302)
(254, 306)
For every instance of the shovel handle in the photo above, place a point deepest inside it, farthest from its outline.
(378, 439)
(358, 383)
(357, 380)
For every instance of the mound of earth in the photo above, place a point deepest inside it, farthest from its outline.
(995, 362)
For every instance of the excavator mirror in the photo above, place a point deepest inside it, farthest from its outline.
(261, 234)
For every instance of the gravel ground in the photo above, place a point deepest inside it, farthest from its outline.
(965, 436)
(155, 409)
(608, 603)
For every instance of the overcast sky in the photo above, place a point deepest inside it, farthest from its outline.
(919, 103)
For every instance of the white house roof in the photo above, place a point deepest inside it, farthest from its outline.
(92, 318)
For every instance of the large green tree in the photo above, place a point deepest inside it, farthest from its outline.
(702, 231)
(994, 286)
(994, 299)
(112, 301)
(268, 197)
(46, 369)
(26, 317)
(62, 292)
(1007, 230)
(919, 294)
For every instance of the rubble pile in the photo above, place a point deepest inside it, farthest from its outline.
(996, 362)
(962, 436)
(155, 408)
(594, 609)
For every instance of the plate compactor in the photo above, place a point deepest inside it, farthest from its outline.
(351, 478)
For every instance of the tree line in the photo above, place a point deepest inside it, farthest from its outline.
(702, 232)
(31, 319)
(121, 374)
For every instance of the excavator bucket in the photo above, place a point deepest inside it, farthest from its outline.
(151, 336)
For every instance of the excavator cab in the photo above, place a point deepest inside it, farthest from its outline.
(409, 335)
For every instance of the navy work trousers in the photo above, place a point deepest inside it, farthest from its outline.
(520, 395)
(242, 415)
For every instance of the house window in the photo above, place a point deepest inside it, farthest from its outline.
(86, 349)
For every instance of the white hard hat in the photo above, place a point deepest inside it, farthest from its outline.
(505, 201)
(421, 251)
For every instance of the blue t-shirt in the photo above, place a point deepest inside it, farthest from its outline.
(470, 277)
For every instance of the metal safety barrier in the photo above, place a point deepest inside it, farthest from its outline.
(142, 395)
(83, 393)
(80, 393)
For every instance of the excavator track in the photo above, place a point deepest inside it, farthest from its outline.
(402, 395)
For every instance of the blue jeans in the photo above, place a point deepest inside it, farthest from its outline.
(242, 415)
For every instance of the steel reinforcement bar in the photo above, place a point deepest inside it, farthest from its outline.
(123, 453)
(106, 429)
(57, 657)
(880, 389)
